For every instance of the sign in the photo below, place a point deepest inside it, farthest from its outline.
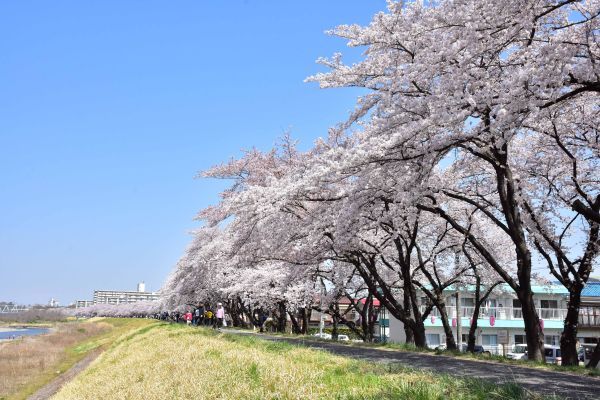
(503, 337)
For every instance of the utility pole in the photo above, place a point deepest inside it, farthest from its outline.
(458, 310)
(321, 321)
(458, 322)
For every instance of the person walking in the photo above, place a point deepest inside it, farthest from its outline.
(220, 314)
(208, 315)
(262, 319)
(196, 316)
(200, 314)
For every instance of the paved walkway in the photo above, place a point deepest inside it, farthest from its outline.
(568, 386)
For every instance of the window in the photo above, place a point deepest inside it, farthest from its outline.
(433, 339)
(551, 340)
(490, 303)
(548, 303)
(490, 308)
(520, 339)
(467, 302)
(517, 312)
(465, 338)
(549, 309)
(489, 340)
(467, 305)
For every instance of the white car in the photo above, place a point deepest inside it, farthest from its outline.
(322, 335)
(519, 353)
(552, 354)
(343, 337)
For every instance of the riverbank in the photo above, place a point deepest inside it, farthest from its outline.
(30, 363)
(179, 362)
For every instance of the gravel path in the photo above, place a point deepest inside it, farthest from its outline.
(568, 386)
(53, 387)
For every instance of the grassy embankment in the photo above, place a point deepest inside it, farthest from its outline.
(179, 362)
(28, 364)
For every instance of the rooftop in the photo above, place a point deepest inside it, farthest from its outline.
(592, 289)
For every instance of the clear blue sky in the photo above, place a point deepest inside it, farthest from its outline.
(109, 109)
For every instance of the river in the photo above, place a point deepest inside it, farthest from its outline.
(10, 333)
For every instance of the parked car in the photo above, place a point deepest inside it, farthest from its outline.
(477, 350)
(322, 335)
(585, 353)
(552, 354)
(519, 352)
(345, 338)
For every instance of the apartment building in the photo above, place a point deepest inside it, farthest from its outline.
(83, 303)
(500, 324)
(123, 296)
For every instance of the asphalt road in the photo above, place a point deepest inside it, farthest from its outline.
(568, 386)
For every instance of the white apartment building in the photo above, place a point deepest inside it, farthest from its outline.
(120, 296)
(83, 303)
(500, 324)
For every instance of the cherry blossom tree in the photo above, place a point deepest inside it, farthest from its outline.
(474, 151)
(468, 80)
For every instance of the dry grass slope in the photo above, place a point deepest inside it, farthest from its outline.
(23, 359)
(177, 362)
(28, 364)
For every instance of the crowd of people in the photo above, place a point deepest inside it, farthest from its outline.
(200, 315)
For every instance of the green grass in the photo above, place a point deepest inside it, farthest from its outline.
(179, 362)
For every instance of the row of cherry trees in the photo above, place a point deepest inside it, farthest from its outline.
(140, 309)
(472, 157)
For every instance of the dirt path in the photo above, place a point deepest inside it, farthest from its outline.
(563, 385)
(53, 387)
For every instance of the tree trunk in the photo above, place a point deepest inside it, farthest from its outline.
(410, 336)
(533, 331)
(419, 334)
(249, 313)
(366, 268)
(282, 317)
(365, 319)
(473, 328)
(305, 319)
(237, 314)
(568, 338)
(450, 342)
(295, 326)
(507, 192)
(595, 356)
(334, 331)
